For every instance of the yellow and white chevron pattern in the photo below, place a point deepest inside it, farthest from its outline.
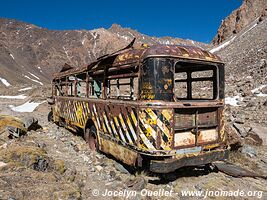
(148, 129)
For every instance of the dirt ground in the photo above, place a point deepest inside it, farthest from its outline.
(53, 163)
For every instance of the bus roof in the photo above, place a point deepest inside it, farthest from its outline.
(128, 56)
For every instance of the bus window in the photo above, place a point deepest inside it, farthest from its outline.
(97, 85)
(123, 88)
(195, 81)
(63, 89)
(81, 85)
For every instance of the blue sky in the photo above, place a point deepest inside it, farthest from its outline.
(188, 19)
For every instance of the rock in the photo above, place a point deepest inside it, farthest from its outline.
(253, 139)
(31, 123)
(261, 132)
(2, 164)
(3, 146)
(85, 158)
(41, 164)
(264, 160)
(120, 168)
(265, 103)
(98, 168)
(137, 184)
(250, 104)
(264, 90)
(241, 129)
(112, 174)
(42, 145)
(233, 137)
(249, 150)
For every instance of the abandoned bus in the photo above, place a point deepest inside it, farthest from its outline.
(159, 107)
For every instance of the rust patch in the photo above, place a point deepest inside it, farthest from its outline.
(119, 152)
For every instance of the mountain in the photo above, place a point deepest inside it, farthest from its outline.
(30, 54)
(245, 55)
(249, 11)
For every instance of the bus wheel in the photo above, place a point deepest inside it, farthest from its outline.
(91, 138)
(50, 116)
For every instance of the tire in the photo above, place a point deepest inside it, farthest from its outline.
(50, 116)
(90, 137)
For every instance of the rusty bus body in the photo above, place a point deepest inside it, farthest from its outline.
(148, 107)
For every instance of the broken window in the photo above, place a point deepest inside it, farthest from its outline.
(81, 85)
(123, 88)
(195, 81)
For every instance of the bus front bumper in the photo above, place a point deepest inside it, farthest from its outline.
(171, 164)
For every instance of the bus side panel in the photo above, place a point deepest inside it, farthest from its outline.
(119, 122)
(75, 112)
(155, 126)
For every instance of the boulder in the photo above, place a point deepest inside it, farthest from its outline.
(249, 151)
(261, 132)
(264, 90)
(233, 137)
(240, 129)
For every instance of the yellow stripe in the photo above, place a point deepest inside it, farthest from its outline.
(120, 131)
(114, 129)
(131, 128)
(97, 118)
(167, 114)
(152, 115)
(149, 129)
(106, 122)
(125, 128)
(133, 118)
(163, 127)
(146, 141)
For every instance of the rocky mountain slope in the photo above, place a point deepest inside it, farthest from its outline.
(240, 18)
(30, 54)
(245, 55)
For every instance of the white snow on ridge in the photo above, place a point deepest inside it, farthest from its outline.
(249, 29)
(24, 89)
(5, 82)
(34, 76)
(21, 96)
(12, 56)
(33, 80)
(222, 45)
(233, 101)
(26, 107)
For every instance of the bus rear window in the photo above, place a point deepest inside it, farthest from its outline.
(195, 81)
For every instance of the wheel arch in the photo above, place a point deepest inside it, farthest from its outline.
(89, 123)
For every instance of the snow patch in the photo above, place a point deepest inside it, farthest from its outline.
(26, 107)
(12, 56)
(34, 76)
(66, 52)
(222, 45)
(5, 82)
(33, 80)
(131, 34)
(21, 96)
(24, 89)
(83, 41)
(249, 29)
(233, 101)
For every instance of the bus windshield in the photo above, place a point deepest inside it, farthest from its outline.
(169, 79)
